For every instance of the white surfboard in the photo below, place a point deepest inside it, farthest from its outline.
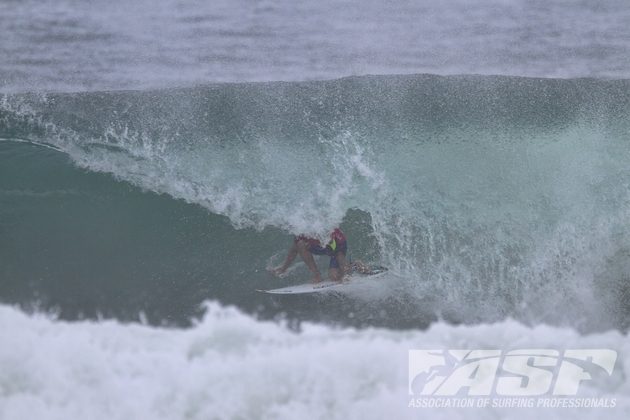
(328, 285)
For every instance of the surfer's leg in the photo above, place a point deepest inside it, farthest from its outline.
(333, 274)
(333, 269)
(338, 267)
(293, 251)
(343, 263)
(307, 256)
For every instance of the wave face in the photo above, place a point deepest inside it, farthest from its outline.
(487, 196)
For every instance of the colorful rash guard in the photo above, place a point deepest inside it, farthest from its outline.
(333, 248)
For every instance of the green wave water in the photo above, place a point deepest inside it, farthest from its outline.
(488, 197)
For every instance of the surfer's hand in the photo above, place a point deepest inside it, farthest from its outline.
(276, 271)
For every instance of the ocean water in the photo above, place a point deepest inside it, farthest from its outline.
(72, 45)
(232, 366)
(157, 157)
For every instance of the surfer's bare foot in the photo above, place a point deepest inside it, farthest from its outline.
(316, 279)
(361, 267)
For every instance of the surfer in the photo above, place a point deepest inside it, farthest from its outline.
(306, 246)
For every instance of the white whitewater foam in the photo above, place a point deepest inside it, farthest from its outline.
(233, 366)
